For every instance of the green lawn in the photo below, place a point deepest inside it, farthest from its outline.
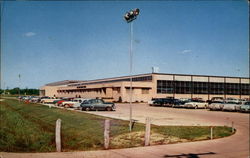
(31, 128)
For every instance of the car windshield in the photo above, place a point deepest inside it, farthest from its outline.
(85, 102)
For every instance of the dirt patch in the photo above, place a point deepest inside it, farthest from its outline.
(136, 139)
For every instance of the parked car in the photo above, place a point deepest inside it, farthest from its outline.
(245, 107)
(71, 102)
(215, 99)
(48, 100)
(231, 106)
(75, 103)
(165, 102)
(97, 104)
(59, 103)
(196, 103)
(25, 98)
(181, 103)
(216, 105)
(34, 99)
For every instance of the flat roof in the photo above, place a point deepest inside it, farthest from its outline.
(200, 75)
(147, 74)
(64, 82)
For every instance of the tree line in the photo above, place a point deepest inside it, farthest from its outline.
(15, 91)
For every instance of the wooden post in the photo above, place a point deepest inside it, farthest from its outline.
(58, 135)
(232, 126)
(106, 133)
(211, 134)
(147, 132)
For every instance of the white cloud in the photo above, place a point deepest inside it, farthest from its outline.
(185, 51)
(29, 34)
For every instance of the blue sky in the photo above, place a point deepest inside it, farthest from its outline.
(51, 41)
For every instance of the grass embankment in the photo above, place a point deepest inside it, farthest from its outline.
(31, 128)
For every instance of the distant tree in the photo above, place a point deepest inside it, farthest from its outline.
(26, 91)
(14, 91)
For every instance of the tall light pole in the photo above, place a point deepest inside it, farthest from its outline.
(130, 17)
(19, 76)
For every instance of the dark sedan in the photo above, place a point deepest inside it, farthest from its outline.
(166, 102)
(97, 104)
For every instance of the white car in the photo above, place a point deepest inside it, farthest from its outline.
(75, 103)
(231, 106)
(216, 105)
(245, 107)
(196, 104)
(48, 100)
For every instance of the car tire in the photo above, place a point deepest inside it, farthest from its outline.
(109, 109)
(196, 107)
(87, 109)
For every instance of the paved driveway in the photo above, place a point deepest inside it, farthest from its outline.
(236, 146)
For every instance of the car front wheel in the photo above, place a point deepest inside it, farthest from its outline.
(109, 109)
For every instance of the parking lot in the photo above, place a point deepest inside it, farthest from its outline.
(173, 116)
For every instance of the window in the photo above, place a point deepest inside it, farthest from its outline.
(200, 87)
(183, 87)
(216, 88)
(245, 89)
(164, 86)
(188, 87)
(232, 88)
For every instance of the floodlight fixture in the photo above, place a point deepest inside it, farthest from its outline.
(131, 15)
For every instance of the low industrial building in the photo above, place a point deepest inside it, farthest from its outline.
(152, 85)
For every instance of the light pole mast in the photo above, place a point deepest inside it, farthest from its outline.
(129, 17)
(19, 76)
(131, 67)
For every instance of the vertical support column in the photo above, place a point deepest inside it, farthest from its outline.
(58, 135)
(106, 133)
(174, 86)
(192, 87)
(240, 86)
(225, 88)
(147, 132)
(208, 88)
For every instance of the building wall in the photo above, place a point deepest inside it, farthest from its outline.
(49, 91)
(142, 90)
(112, 91)
(216, 79)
